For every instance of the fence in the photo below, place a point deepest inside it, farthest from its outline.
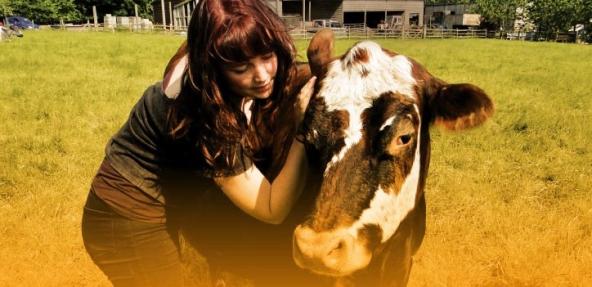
(348, 32)
(402, 33)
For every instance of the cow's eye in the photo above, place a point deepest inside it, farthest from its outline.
(404, 139)
(404, 136)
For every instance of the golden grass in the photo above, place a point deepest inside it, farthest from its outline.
(509, 204)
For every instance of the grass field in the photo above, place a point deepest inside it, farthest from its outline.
(509, 204)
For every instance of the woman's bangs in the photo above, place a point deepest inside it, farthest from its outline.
(242, 41)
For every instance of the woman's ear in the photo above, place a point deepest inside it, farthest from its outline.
(174, 72)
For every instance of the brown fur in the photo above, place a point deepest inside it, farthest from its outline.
(319, 52)
(384, 149)
(317, 120)
(372, 235)
(343, 193)
(454, 107)
(389, 52)
(360, 56)
(461, 106)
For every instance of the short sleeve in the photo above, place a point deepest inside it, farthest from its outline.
(240, 163)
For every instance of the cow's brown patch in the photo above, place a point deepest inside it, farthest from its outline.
(420, 74)
(345, 192)
(365, 73)
(391, 149)
(389, 52)
(360, 56)
(371, 235)
(325, 130)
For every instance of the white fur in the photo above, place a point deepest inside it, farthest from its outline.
(387, 123)
(389, 208)
(344, 87)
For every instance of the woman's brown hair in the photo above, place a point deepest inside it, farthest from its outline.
(233, 31)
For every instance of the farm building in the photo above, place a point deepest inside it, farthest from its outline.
(451, 16)
(369, 12)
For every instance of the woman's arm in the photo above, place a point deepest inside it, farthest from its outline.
(269, 201)
(272, 201)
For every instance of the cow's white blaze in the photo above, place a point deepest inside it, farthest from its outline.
(353, 85)
(388, 208)
(387, 123)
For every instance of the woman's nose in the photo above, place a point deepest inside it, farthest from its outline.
(261, 74)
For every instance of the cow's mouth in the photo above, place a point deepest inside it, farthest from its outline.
(334, 253)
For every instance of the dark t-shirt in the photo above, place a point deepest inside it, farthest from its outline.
(142, 160)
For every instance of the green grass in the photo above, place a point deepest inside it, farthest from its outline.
(509, 204)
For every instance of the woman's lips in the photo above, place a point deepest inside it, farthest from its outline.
(263, 89)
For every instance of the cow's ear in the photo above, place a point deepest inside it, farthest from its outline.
(320, 52)
(458, 106)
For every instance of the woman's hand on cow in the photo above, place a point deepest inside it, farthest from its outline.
(304, 98)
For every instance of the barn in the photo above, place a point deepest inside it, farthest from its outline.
(451, 16)
(349, 12)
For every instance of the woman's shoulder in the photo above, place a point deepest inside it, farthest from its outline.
(151, 111)
(155, 95)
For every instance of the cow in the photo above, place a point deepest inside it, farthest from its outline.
(368, 126)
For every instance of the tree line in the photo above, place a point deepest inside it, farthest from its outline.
(548, 16)
(52, 11)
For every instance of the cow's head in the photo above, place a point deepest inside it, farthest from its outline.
(369, 120)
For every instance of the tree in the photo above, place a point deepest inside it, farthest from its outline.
(5, 8)
(587, 17)
(447, 2)
(52, 11)
(498, 13)
(115, 7)
(553, 16)
(45, 11)
(549, 16)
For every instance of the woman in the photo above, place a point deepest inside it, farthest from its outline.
(225, 114)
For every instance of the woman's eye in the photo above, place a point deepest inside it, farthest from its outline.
(239, 69)
(404, 139)
(267, 56)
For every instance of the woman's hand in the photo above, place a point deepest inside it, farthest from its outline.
(304, 98)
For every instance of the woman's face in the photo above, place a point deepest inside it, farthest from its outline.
(254, 78)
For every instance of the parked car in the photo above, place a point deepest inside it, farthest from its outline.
(21, 22)
(319, 24)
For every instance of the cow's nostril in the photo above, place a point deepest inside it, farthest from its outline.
(337, 249)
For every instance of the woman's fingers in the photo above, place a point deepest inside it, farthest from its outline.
(305, 94)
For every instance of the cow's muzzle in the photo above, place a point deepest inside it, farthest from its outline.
(332, 253)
